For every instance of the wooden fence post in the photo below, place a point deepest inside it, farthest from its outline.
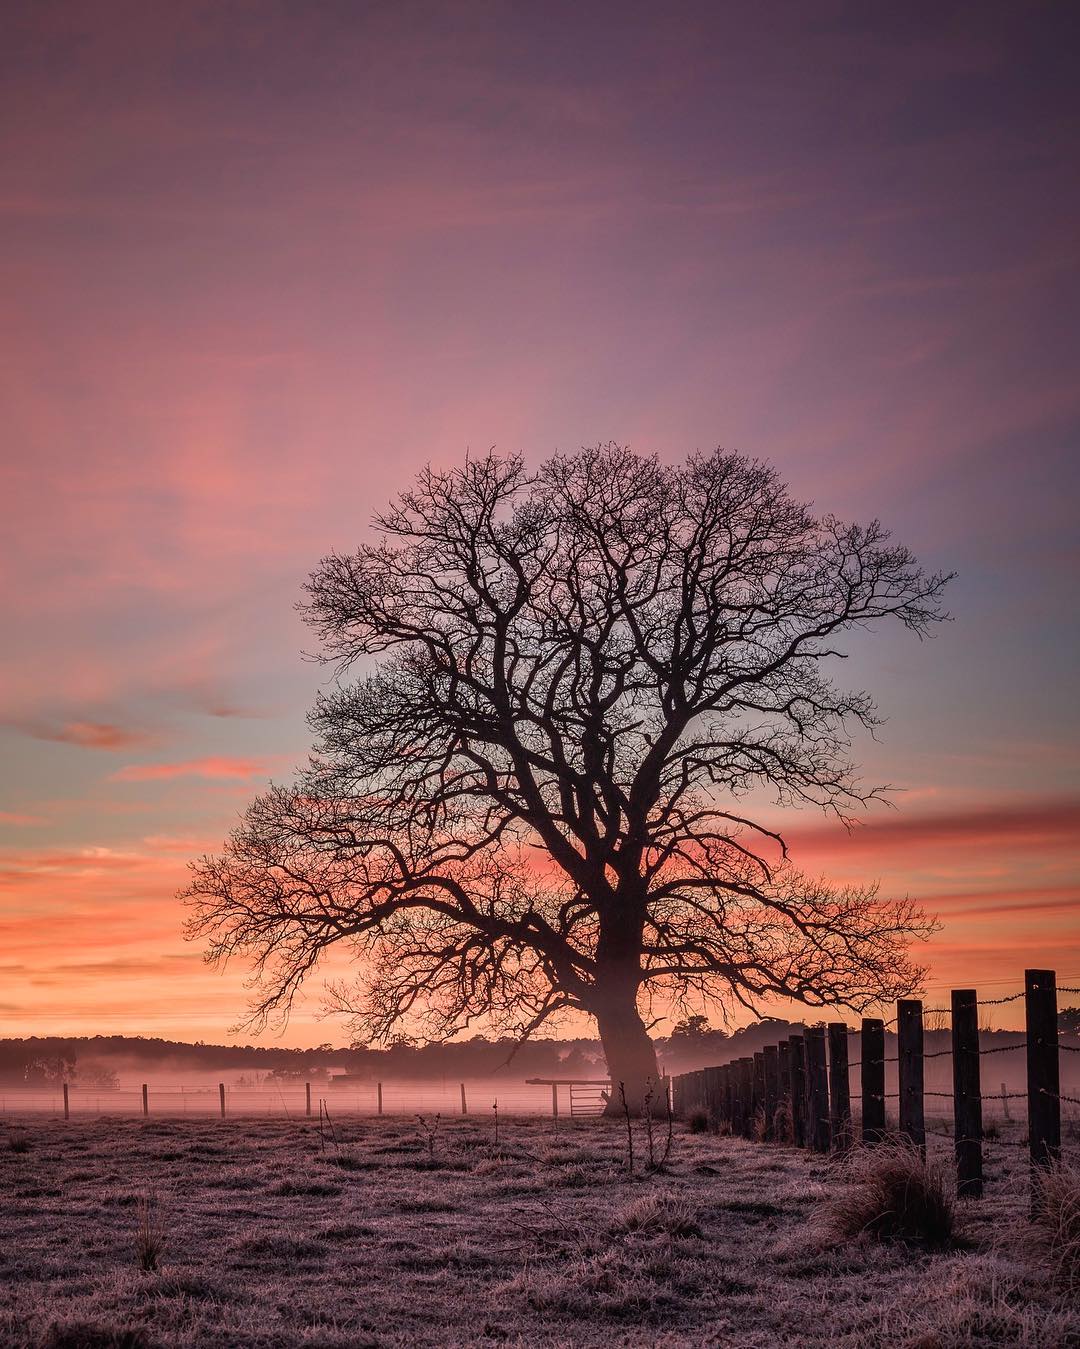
(464, 1107)
(713, 1095)
(839, 1086)
(221, 1097)
(798, 1090)
(555, 1099)
(744, 1083)
(967, 1093)
(909, 1038)
(873, 1079)
(145, 1100)
(1043, 1080)
(67, 1106)
(783, 1059)
(378, 1097)
(759, 1095)
(817, 1089)
(307, 1097)
(772, 1090)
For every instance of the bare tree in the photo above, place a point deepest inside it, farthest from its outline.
(534, 800)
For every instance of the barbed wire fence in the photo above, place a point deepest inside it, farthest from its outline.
(798, 1091)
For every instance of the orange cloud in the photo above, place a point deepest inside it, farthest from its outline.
(213, 767)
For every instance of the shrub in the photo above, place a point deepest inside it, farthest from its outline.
(1056, 1219)
(894, 1194)
(698, 1122)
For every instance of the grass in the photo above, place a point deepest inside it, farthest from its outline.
(1056, 1222)
(893, 1193)
(149, 1234)
(265, 1240)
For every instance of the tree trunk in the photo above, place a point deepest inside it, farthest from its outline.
(630, 1055)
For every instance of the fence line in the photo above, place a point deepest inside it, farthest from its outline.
(285, 1100)
(806, 1100)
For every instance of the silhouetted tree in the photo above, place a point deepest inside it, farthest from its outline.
(529, 803)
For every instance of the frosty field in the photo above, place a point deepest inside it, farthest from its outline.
(262, 1233)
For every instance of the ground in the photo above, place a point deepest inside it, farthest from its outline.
(274, 1233)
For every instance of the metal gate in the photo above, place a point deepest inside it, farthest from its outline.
(588, 1098)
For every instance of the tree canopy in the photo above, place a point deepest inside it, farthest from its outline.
(558, 692)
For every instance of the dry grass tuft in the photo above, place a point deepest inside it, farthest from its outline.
(698, 1122)
(149, 1234)
(658, 1213)
(1056, 1219)
(894, 1194)
(18, 1142)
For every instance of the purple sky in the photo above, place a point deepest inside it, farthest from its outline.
(262, 261)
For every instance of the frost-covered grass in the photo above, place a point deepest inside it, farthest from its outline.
(262, 1236)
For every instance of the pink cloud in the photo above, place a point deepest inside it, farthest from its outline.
(17, 818)
(214, 767)
(88, 734)
(1045, 825)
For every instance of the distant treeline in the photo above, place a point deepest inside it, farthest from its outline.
(94, 1060)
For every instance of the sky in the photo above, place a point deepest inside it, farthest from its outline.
(263, 261)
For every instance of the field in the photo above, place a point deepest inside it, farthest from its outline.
(267, 1233)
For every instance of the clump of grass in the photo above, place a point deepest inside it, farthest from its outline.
(18, 1142)
(658, 1213)
(431, 1132)
(149, 1234)
(1056, 1220)
(894, 1194)
(698, 1122)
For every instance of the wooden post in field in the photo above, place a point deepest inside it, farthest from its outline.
(742, 1097)
(909, 1039)
(772, 1091)
(713, 1091)
(67, 1105)
(839, 1087)
(378, 1086)
(554, 1100)
(145, 1100)
(873, 1079)
(733, 1095)
(748, 1093)
(783, 1058)
(221, 1097)
(798, 1090)
(307, 1098)
(464, 1107)
(1043, 1081)
(967, 1093)
(758, 1096)
(817, 1089)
